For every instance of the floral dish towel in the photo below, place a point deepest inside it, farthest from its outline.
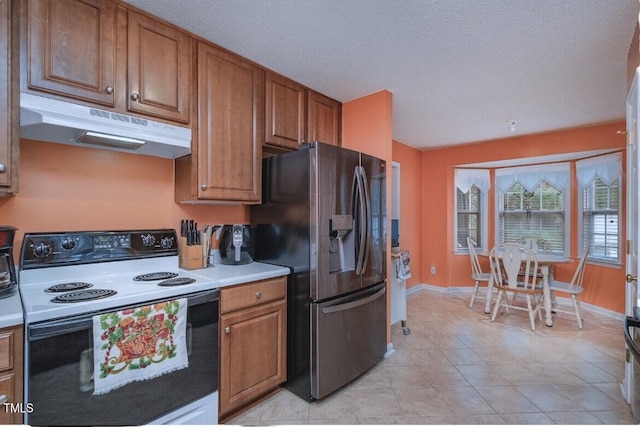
(138, 344)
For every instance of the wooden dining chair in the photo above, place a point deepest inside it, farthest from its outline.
(573, 288)
(537, 245)
(506, 261)
(476, 273)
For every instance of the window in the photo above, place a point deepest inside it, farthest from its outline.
(472, 186)
(537, 213)
(599, 180)
(468, 216)
(533, 201)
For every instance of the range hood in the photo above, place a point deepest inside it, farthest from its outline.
(47, 119)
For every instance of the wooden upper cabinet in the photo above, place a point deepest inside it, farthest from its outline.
(71, 48)
(230, 126)
(9, 119)
(325, 119)
(159, 69)
(285, 109)
(102, 53)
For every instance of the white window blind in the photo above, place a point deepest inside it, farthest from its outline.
(599, 180)
(472, 187)
(533, 201)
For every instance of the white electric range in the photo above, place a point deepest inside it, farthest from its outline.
(65, 279)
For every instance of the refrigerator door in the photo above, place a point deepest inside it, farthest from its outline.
(349, 336)
(632, 339)
(375, 267)
(334, 210)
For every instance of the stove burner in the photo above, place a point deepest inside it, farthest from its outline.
(70, 286)
(155, 276)
(83, 295)
(177, 281)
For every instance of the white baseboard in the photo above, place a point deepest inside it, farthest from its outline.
(390, 350)
(560, 300)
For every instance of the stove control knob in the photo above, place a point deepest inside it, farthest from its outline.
(148, 240)
(68, 244)
(166, 242)
(41, 250)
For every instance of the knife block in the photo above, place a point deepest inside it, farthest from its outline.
(190, 257)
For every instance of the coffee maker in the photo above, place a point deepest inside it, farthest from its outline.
(8, 278)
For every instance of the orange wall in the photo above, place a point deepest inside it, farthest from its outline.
(410, 183)
(367, 125)
(605, 285)
(64, 188)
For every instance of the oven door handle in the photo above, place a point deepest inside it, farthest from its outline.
(64, 326)
(58, 327)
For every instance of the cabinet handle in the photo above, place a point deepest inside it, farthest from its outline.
(3, 167)
(109, 89)
(3, 398)
(227, 330)
(258, 294)
(204, 187)
(135, 96)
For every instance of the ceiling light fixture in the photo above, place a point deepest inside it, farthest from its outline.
(512, 125)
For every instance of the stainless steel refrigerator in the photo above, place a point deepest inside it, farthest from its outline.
(323, 215)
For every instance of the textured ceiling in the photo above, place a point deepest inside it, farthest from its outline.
(459, 71)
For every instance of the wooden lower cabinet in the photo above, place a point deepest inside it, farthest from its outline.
(11, 381)
(252, 342)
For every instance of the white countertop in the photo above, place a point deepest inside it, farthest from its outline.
(11, 311)
(228, 275)
(224, 275)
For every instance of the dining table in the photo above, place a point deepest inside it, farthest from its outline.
(545, 261)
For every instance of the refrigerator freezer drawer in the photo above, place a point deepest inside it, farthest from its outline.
(349, 336)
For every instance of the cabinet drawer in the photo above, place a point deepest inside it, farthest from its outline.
(251, 294)
(6, 350)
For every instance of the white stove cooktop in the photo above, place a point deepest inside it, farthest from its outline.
(114, 275)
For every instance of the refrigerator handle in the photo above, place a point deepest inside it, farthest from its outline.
(631, 344)
(353, 304)
(368, 220)
(359, 210)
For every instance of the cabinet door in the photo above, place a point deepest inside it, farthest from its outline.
(5, 95)
(159, 69)
(11, 369)
(325, 119)
(7, 387)
(284, 112)
(72, 48)
(253, 354)
(9, 112)
(230, 124)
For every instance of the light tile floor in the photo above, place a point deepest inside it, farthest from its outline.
(458, 367)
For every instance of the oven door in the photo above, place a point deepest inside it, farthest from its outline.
(60, 391)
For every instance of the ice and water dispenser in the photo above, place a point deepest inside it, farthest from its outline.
(341, 243)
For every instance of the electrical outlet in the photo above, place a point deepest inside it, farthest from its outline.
(433, 269)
